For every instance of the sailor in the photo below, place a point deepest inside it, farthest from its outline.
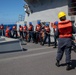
(25, 31)
(42, 35)
(21, 31)
(55, 38)
(38, 30)
(31, 32)
(15, 31)
(47, 34)
(7, 31)
(64, 32)
(2, 30)
(10, 32)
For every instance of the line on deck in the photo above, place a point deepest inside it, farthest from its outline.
(34, 49)
(24, 56)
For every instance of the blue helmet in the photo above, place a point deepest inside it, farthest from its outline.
(10, 28)
(56, 23)
(38, 22)
(47, 24)
(30, 23)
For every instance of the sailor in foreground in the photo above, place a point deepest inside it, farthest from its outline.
(64, 33)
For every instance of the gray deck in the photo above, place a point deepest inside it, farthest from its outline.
(35, 60)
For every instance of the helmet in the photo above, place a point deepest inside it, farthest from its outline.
(30, 23)
(10, 28)
(47, 24)
(56, 23)
(61, 14)
(38, 22)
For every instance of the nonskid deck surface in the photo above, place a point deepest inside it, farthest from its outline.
(34, 60)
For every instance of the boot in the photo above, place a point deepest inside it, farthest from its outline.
(68, 67)
(54, 47)
(57, 64)
(43, 44)
(49, 45)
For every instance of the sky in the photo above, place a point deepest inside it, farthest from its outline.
(10, 11)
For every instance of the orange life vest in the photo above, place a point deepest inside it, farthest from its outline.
(25, 28)
(38, 28)
(30, 28)
(21, 28)
(14, 27)
(53, 26)
(7, 32)
(47, 29)
(2, 27)
(65, 29)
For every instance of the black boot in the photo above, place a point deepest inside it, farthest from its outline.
(57, 64)
(43, 44)
(49, 45)
(68, 67)
(54, 47)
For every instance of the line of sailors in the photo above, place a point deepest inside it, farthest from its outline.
(40, 34)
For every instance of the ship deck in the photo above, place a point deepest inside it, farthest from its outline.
(34, 60)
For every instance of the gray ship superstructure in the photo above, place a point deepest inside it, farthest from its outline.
(47, 10)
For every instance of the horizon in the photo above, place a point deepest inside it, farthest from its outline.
(10, 11)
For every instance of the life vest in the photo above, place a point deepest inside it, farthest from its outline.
(25, 28)
(7, 32)
(21, 29)
(38, 28)
(2, 27)
(14, 27)
(47, 29)
(54, 27)
(30, 28)
(65, 29)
